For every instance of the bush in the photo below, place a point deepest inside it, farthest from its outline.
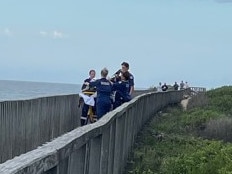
(197, 118)
(219, 129)
(220, 99)
(198, 100)
(212, 157)
(180, 151)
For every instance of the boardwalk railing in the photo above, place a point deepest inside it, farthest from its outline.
(27, 124)
(198, 89)
(99, 148)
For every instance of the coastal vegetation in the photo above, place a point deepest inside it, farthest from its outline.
(195, 141)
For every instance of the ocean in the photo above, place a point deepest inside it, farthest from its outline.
(21, 90)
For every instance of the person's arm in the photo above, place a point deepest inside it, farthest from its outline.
(115, 86)
(131, 82)
(84, 84)
(93, 84)
(131, 90)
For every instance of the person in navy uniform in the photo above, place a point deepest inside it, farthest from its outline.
(104, 89)
(125, 68)
(122, 89)
(91, 78)
(84, 87)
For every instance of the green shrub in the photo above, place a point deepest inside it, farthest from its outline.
(219, 129)
(220, 99)
(180, 151)
(198, 117)
(213, 157)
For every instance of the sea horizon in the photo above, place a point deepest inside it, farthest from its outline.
(23, 90)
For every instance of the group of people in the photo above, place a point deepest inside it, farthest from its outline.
(164, 87)
(110, 92)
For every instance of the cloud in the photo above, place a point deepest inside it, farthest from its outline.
(57, 35)
(43, 33)
(53, 34)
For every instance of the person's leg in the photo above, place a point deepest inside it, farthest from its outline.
(94, 107)
(116, 104)
(84, 114)
(102, 109)
(108, 107)
(117, 101)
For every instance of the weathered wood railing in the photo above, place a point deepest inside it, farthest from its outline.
(99, 148)
(26, 124)
(198, 89)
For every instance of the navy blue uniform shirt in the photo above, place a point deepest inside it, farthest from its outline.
(131, 80)
(104, 88)
(84, 85)
(122, 89)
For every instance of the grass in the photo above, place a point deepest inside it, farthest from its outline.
(193, 141)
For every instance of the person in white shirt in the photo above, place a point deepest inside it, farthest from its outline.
(182, 85)
(159, 88)
(186, 85)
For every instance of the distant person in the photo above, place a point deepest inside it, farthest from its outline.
(159, 87)
(186, 85)
(84, 87)
(122, 89)
(182, 85)
(164, 87)
(104, 89)
(176, 86)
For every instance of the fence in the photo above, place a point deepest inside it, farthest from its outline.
(198, 89)
(98, 148)
(27, 124)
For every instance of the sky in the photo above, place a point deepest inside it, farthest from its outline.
(162, 40)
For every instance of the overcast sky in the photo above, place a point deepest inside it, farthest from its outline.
(163, 40)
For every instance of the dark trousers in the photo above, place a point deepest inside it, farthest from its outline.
(84, 114)
(103, 108)
(117, 103)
